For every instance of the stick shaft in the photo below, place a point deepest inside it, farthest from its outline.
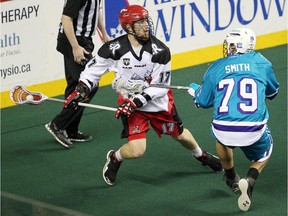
(86, 105)
(170, 86)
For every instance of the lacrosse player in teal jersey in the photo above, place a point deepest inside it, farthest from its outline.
(237, 86)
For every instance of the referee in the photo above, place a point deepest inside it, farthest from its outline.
(79, 21)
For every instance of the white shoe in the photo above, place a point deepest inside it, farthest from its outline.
(244, 201)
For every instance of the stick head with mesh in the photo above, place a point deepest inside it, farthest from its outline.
(20, 95)
(123, 86)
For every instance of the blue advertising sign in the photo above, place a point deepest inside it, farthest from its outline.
(112, 9)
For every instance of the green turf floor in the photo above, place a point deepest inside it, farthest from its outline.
(40, 178)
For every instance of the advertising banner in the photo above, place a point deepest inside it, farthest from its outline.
(186, 25)
(192, 29)
(28, 41)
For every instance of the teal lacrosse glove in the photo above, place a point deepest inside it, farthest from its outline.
(193, 87)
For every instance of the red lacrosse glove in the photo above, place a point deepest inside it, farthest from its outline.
(80, 94)
(126, 108)
(130, 104)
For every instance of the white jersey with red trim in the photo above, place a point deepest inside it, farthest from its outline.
(151, 63)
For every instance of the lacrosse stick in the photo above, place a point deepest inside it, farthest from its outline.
(170, 86)
(20, 95)
(124, 86)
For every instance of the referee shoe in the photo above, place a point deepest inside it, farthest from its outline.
(79, 137)
(59, 135)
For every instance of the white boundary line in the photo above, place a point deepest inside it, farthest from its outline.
(42, 204)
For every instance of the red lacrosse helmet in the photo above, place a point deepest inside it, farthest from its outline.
(131, 14)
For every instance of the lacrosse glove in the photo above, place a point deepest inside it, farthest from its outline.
(80, 94)
(132, 103)
(193, 88)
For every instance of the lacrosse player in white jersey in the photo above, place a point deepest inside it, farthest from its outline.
(138, 59)
(237, 87)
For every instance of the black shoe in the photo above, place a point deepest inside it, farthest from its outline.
(59, 135)
(233, 183)
(211, 160)
(79, 137)
(110, 168)
(244, 201)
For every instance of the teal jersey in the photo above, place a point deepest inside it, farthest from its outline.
(237, 87)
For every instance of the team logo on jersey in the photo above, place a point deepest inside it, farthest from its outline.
(136, 129)
(155, 49)
(114, 46)
(126, 61)
(148, 77)
(135, 76)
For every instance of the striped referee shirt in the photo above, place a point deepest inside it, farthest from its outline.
(84, 14)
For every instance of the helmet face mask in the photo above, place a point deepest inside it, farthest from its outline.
(239, 41)
(135, 20)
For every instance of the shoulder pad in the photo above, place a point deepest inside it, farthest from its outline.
(160, 52)
(114, 49)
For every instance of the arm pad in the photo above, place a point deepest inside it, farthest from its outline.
(83, 90)
(141, 99)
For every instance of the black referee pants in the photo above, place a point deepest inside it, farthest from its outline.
(69, 119)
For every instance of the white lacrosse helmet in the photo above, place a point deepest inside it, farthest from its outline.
(241, 40)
